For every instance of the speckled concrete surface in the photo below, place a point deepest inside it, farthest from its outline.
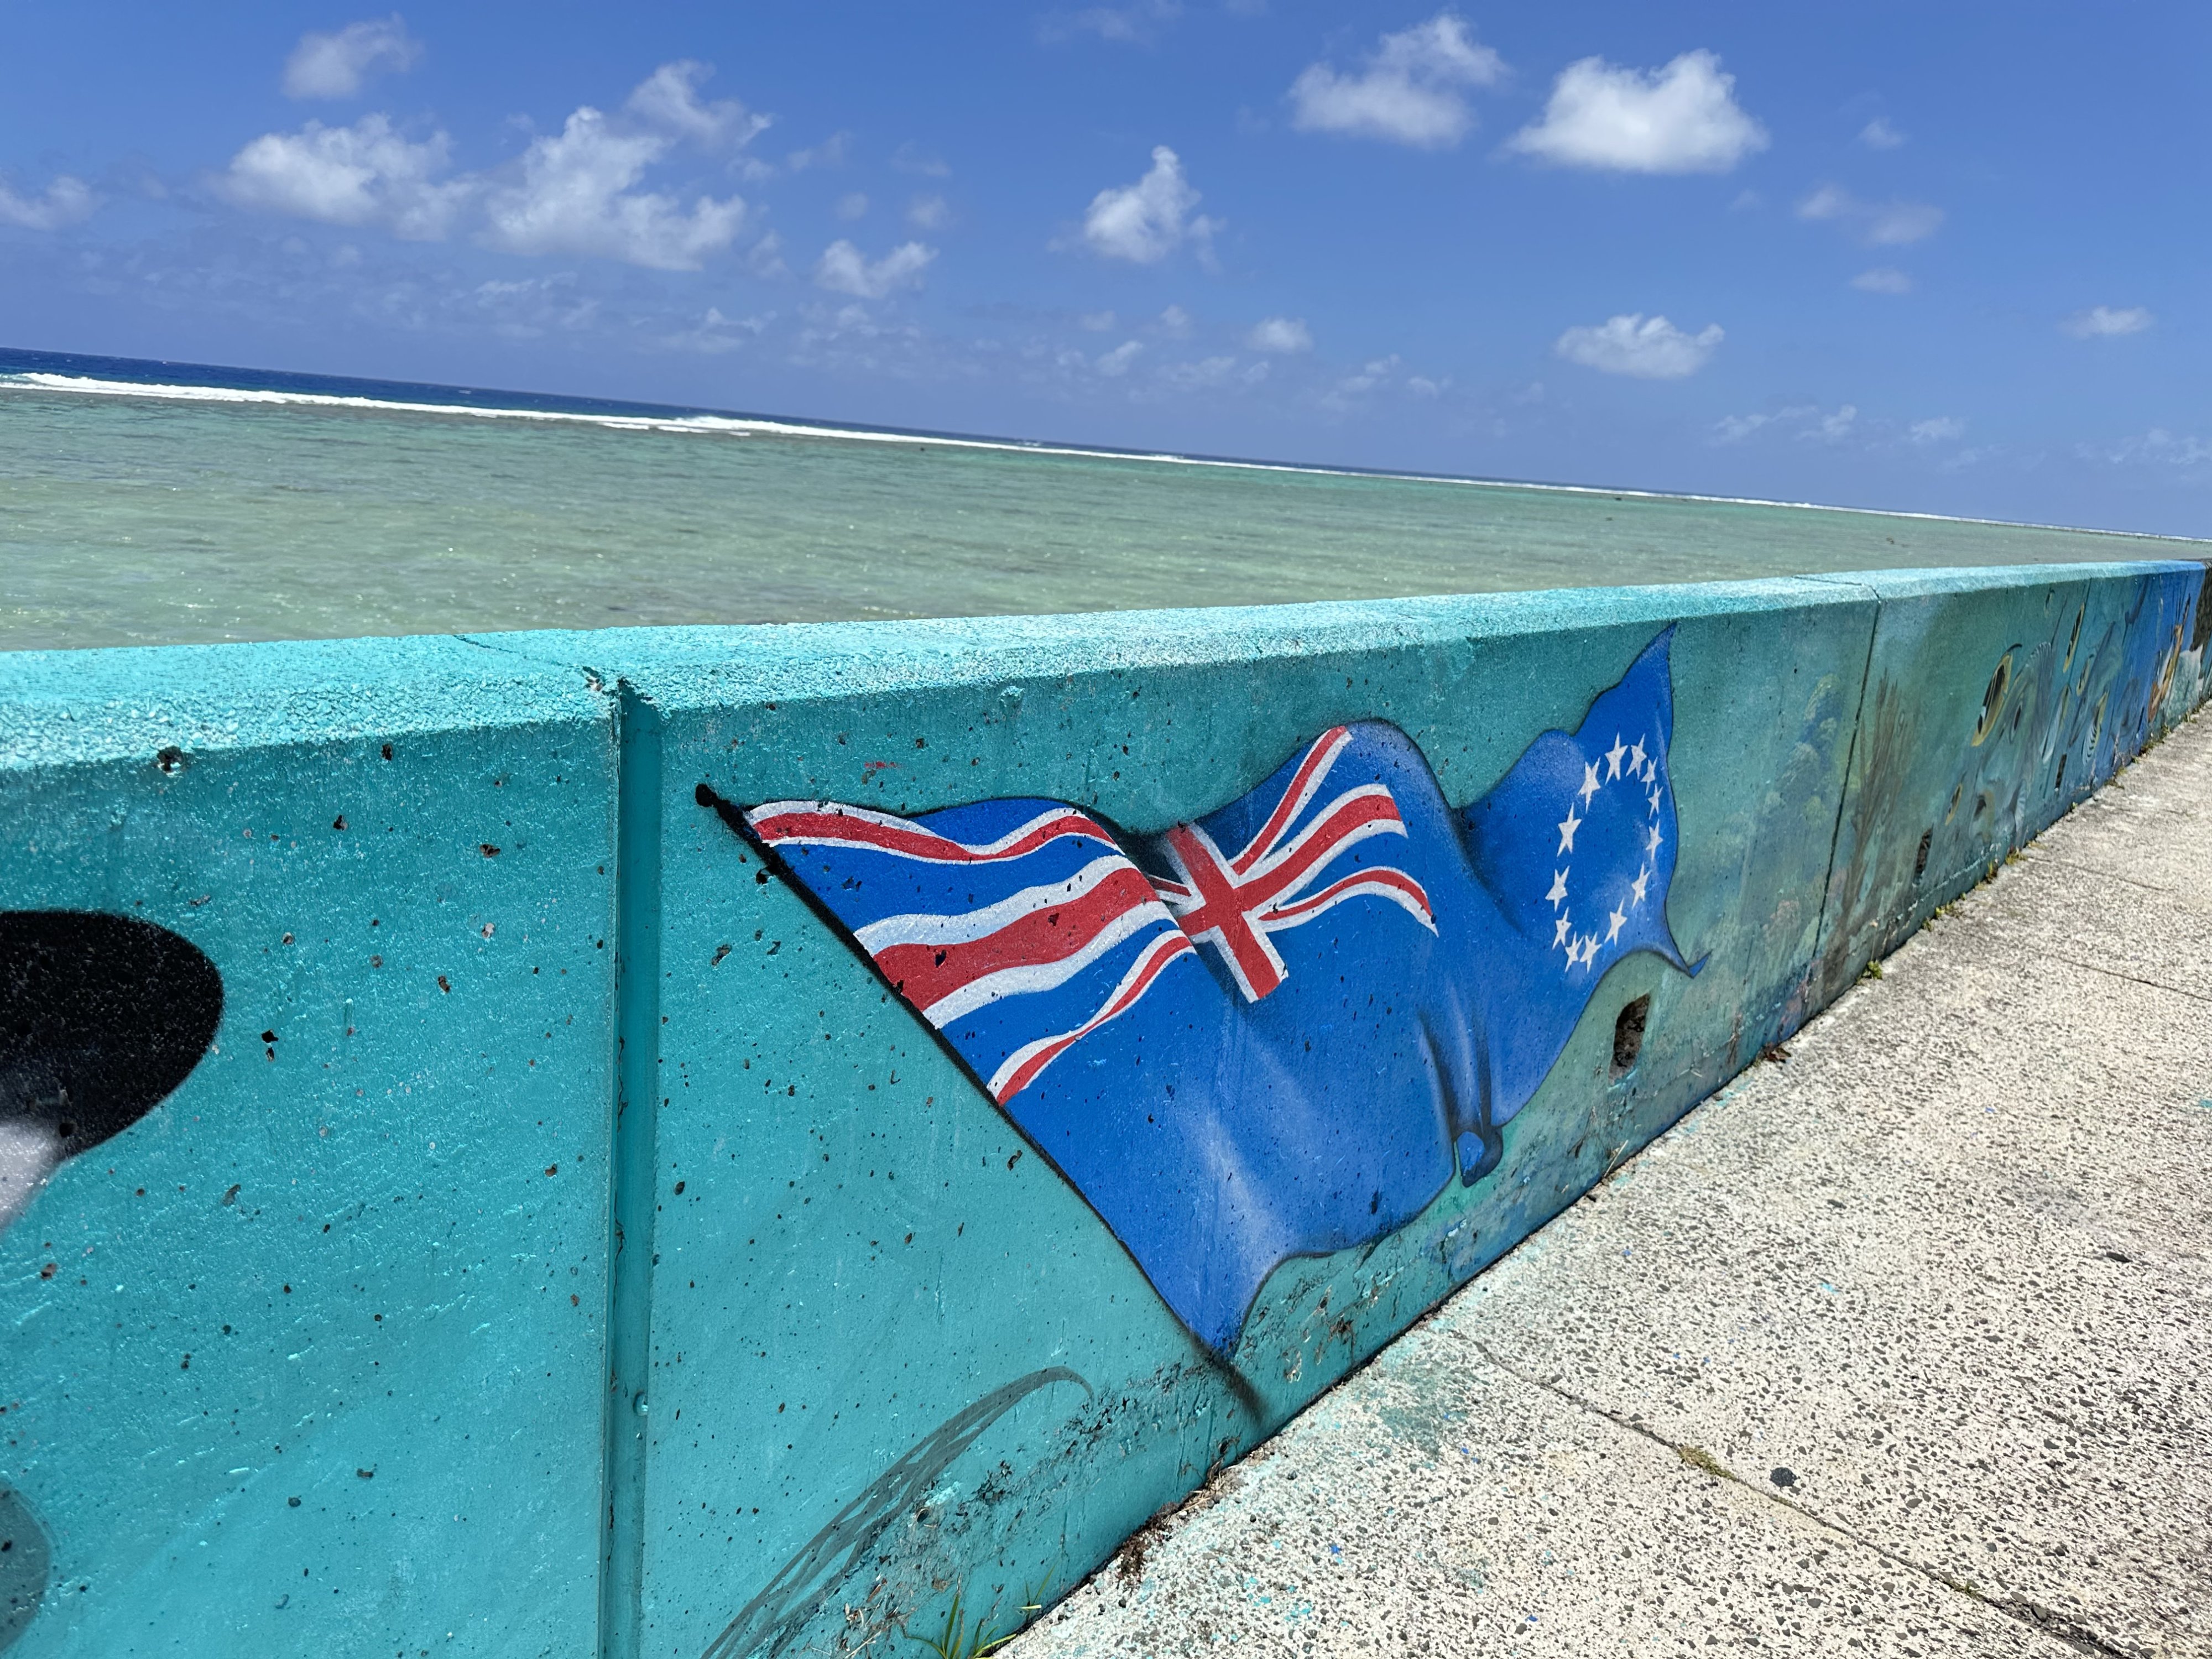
(1901, 1345)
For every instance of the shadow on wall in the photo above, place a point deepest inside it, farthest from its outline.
(2061, 711)
(101, 1018)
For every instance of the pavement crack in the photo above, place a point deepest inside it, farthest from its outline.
(2035, 855)
(2132, 979)
(2059, 1627)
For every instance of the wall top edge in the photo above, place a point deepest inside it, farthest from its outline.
(59, 707)
(72, 707)
(1936, 580)
(678, 668)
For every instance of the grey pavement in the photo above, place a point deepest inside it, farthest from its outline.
(1899, 1346)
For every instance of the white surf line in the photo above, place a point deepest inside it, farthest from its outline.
(719, 425)
(739, 426)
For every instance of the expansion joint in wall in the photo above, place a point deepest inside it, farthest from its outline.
(631, 1160)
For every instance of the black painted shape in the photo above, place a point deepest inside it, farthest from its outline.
(26, 1560)
(101, 1017)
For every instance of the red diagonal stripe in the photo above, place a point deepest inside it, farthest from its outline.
(821, 828)
(1381, 875)
(925, 974)
(1162, 951)
(1295, 798)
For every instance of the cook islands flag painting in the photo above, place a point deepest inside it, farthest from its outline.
(1279, 1029)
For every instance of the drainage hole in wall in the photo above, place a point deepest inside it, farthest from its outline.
(1628, 1035)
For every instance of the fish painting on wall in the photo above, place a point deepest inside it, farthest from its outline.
(1282, 1029)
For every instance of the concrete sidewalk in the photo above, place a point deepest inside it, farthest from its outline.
(1902, 1345)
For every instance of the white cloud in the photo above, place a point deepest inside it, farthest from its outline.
(1808, 421)
(577, 196)
(572, 193)
(334, 65)
(1198, 376)
(830, 153)
(764, 258)
(363, 174)
(2105, 322)
(1883, 279)
(1734, 429)
(1115, 363)
(1280, 334)
(525, 309)
(66, 201)
(1880, 224)
(1410, 91)
(1095, 322)
(1134, 25)
(669, 99)
(1681, 119)
(1650, 349)
(843, 269)
(716, 334)
(928, 213)
(2156, 447)
(1878, 134)
(1145, 222)
(1811, 424)
(1345, 394)
(907, 158)
(852, 205)
(1834, 429)
(1176, 322)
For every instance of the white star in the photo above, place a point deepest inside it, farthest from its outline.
(1652, 847)
(1613, 757)
(1643, 879)
(1558, 893)
(1589, 782)
(1616, 919)
(1559, 932)
(1589, 948)
(1636, 757)
(1656, 797)
(1651, 770)
(1567, 827)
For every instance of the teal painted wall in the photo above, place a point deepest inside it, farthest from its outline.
(721, 1312)
(293, 1365)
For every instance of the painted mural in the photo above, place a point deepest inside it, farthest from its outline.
(101, 1017)
(1290, 1032)
(2061, 713)
(1279, 1029)
(2048, 716)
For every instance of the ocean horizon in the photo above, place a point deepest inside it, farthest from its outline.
(149, 501)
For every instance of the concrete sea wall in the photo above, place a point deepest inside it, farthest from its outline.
(719, 1142)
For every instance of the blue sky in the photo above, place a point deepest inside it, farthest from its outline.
(1949, 259)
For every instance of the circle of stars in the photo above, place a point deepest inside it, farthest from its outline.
(1626, 763)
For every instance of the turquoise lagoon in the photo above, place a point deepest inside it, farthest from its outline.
(145, 503)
